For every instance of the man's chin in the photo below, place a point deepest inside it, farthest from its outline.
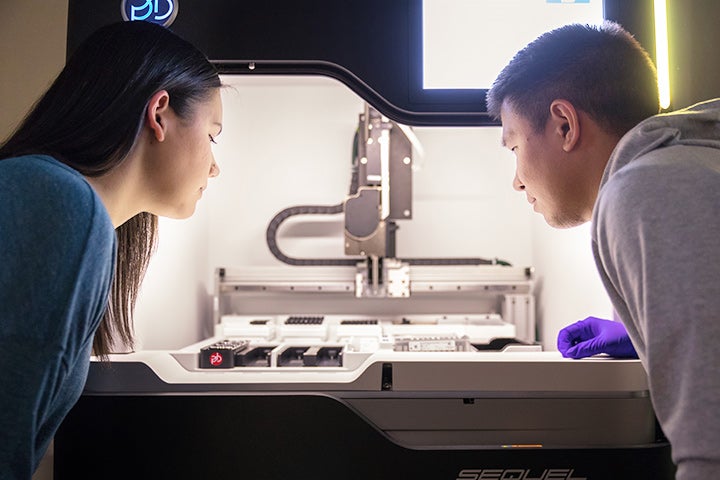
(563, 221)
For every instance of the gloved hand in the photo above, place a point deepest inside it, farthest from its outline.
(594, 335)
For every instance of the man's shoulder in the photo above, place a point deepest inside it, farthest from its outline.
(662, 189)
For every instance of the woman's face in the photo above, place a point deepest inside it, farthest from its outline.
(183, 162)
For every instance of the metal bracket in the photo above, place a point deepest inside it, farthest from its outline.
(390, 278)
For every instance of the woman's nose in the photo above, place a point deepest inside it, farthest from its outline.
(214, 170)
(517, 184)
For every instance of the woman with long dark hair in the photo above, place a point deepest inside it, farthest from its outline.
(123, 135)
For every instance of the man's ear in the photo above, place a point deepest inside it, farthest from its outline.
(566, 123)
(156, 116)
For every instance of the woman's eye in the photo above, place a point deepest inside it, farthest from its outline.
(212, 139)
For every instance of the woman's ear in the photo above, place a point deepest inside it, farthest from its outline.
(157, 114)
(566, 123)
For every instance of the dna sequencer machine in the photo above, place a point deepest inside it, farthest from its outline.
(372, 363)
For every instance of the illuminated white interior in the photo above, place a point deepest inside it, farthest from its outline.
(288, 141)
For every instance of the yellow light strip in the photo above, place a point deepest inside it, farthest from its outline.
(661, 51)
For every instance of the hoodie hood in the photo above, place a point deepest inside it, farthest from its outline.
(698, 125)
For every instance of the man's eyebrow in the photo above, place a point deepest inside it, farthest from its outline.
(507, 135)
(219, 125)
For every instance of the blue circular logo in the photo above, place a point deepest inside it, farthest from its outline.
(162, 12)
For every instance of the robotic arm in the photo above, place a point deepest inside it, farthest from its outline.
(381, 195)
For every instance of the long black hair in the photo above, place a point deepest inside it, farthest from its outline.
(90, 118)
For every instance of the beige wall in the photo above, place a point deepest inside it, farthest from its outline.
(32, 53)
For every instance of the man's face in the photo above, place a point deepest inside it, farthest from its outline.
(545, 172)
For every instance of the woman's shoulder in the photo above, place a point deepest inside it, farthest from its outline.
(41, 190)
(34, 171)
(57, 243)
(45, 178)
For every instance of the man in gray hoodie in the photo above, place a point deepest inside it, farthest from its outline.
(578, 108)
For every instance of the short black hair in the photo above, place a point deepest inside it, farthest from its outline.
(600, 69)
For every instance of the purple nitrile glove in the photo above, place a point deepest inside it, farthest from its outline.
(595, 335)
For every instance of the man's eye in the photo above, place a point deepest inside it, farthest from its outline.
(212, 139)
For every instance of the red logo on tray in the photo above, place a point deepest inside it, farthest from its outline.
(216, 359)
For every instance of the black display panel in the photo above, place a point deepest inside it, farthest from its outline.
(372, 46)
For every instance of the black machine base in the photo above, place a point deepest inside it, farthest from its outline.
(279, 436)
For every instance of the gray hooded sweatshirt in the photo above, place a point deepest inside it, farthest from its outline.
(656, 241)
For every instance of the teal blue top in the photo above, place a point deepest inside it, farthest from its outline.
(57, 257)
